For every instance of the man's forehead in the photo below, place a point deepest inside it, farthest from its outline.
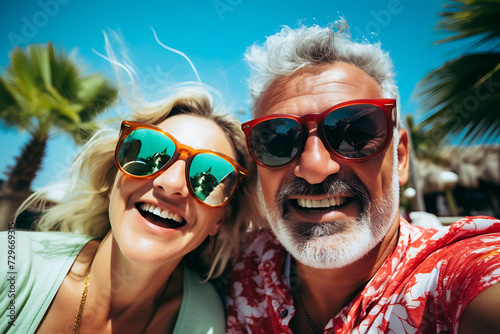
(317, 88)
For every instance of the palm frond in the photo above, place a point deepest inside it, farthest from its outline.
(11, 107)
(95, 94)
(463, 96)
(471, 18)
(21, 77)
(426, 143)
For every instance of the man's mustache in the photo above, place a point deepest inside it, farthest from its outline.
(333, 185)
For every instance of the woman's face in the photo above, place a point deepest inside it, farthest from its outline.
(146, 237)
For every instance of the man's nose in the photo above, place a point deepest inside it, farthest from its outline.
(315, 163)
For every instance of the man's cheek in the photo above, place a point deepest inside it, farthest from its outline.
(269, 192)
(266, 183)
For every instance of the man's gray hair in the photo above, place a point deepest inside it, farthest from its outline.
(291, 49)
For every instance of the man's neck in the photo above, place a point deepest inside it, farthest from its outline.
(325, 292)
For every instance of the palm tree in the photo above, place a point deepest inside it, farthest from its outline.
(464, 93)
(427, 144)
(43, 90)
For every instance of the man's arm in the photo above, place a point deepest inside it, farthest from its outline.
(482, 315)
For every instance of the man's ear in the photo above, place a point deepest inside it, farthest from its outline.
(403, 157)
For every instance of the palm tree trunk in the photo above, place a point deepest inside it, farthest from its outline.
(417, 203)
(17, 187)
(27, 164)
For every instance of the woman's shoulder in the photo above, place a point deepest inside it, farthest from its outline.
(48, 245)
(37, 263)
(39, 236)
(194, 283)
(44, 255)
(200, 301)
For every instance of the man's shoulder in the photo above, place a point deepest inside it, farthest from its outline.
(468, 247)
(469, 233)
(465, 228)
(471, 240)
(476, 225)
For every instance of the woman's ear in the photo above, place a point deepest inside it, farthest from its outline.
(215, 229)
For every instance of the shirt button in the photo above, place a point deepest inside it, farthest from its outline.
(283, 313)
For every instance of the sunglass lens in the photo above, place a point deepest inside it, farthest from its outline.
(145, 151)
(356, 131)
(212, 178)
(276, 142)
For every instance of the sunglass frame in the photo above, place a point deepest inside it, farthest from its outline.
(128, 126)
(387, 105)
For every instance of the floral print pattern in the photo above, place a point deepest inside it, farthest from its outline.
(422, 287)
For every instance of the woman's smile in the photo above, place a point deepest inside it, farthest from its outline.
(160, 217)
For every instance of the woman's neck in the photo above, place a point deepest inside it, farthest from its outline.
(125, 285)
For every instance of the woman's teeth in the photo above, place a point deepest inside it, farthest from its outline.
(321, 203)
(165, 214)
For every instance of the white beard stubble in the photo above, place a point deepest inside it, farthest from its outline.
(337, 244)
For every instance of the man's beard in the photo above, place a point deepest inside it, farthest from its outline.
(337, 243)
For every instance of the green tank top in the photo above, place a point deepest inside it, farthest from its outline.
(35, 264)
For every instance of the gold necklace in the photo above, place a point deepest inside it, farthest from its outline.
(300, 304)
(78, 317)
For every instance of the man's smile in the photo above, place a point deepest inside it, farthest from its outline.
(325, 203)
(313, 209)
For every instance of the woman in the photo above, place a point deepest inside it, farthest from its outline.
(136, 225)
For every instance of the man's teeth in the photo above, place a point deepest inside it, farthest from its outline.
(321, 203)
(165, 214)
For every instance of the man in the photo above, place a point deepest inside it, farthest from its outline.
(331, 156)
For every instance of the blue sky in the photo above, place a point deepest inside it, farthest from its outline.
(214, 34)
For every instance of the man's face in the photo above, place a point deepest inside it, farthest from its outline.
(328, 212)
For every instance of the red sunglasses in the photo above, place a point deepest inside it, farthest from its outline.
(354, 130)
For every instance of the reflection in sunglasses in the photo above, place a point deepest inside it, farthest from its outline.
(360, 134)
(136, 165)
(158, 160)
(203, 183)
(225, 188)
(211, 191)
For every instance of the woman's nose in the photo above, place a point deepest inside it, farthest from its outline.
(173, 180)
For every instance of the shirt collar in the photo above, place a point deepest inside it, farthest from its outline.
(274, 268)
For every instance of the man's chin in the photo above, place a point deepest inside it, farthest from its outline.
(332, 250)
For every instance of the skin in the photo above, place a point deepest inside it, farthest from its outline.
(481, 315)
(325, 292)
(135, 259)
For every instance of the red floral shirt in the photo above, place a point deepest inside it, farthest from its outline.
(422, 287)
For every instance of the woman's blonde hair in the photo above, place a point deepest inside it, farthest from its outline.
(84, 208)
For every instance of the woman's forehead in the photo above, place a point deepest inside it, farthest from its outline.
(198, 132)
